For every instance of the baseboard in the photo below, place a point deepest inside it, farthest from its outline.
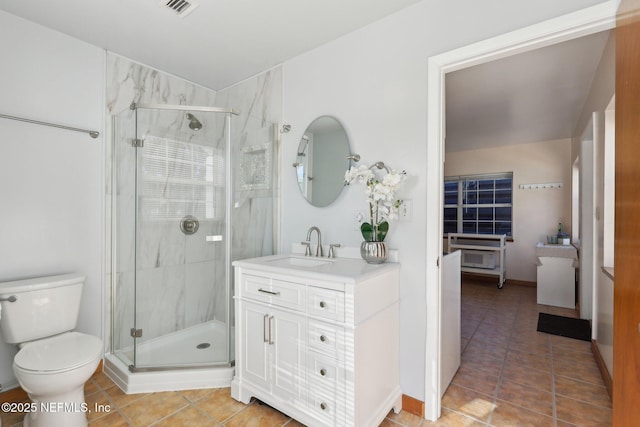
(493, 279)
(19, 395)
(413, 406)
(606, 376)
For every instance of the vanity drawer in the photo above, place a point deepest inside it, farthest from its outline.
(276, 292)
(326, 303)
(326, 384)
(326, 339)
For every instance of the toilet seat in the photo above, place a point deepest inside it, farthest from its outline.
(59, 353)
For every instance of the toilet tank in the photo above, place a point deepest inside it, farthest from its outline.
(43, 306)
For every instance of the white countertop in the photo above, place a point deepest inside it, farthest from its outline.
(337, 269)
(556, 251)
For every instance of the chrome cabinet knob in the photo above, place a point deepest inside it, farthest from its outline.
(323, 338)
(323, 304)
(323, 372)
(323, 406)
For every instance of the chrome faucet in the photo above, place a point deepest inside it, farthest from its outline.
(319, 251)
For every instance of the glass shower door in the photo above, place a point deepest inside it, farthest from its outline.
(181, 239)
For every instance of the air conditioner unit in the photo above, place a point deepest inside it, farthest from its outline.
(479, 259)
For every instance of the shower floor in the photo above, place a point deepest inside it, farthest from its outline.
(175, 350)
(202, 344)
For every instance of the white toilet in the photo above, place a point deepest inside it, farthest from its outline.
(53, 363)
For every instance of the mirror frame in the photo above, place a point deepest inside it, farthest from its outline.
(307, 155)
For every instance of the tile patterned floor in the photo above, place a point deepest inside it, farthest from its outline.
(510, 375)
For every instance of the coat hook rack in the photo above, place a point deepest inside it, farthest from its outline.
(541, 186)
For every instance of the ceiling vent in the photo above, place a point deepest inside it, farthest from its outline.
(180, 7)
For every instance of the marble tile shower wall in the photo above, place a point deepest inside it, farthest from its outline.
(259, 101)
(180, 278)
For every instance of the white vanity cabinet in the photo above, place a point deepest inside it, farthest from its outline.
(319, 343)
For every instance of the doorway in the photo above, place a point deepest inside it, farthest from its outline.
(574, 25)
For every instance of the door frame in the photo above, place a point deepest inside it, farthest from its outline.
(587, 21)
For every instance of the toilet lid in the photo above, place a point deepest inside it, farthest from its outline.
(59, 353)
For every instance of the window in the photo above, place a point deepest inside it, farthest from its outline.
(479, 204)
(180, 178)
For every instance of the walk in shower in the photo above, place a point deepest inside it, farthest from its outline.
(182, 183)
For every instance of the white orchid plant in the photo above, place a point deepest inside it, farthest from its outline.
(383, 205)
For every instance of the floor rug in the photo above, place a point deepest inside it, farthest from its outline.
(578, 329)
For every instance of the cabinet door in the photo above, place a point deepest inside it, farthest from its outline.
(254, 365)
(288, 352)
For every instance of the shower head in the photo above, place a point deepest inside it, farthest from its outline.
(194, 124)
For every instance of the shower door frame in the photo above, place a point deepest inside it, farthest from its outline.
(228, 230)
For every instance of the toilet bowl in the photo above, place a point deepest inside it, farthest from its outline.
(53, 362)
(53, 372)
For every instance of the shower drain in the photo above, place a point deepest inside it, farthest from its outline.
(203, 345)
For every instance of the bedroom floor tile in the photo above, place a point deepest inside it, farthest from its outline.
(542, 380)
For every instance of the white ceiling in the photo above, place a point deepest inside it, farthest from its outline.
(220, 43)
(531, 97)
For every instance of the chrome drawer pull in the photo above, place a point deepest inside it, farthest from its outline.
(266, 291)
(323, 406)
(323, 338)
(323, 304)
(323, 372)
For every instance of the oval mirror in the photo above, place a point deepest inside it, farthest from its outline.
(322, 160)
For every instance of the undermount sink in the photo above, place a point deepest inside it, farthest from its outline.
(299, 262)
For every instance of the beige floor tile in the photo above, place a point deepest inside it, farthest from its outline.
(587, 372)
(453, 419)
(220, 405)
(468, 402)
(583, 391)
(571, 344)
(582, 414)
(90, 387)
(527, 376)
(497, 351)
(98, 405)
(153, 407)
(102, 381)
(404, 418)
(506, 414)
(482, 362)
(476, 380)
(113, 419)
(197, 394)
(187, 417)
(120, 399)
(541, 363)
(257, 415)
(11, 418)
(527, 397)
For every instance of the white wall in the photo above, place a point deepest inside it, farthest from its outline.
(602, 90)
(536, 213)
(51, 180)
(374, 81)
